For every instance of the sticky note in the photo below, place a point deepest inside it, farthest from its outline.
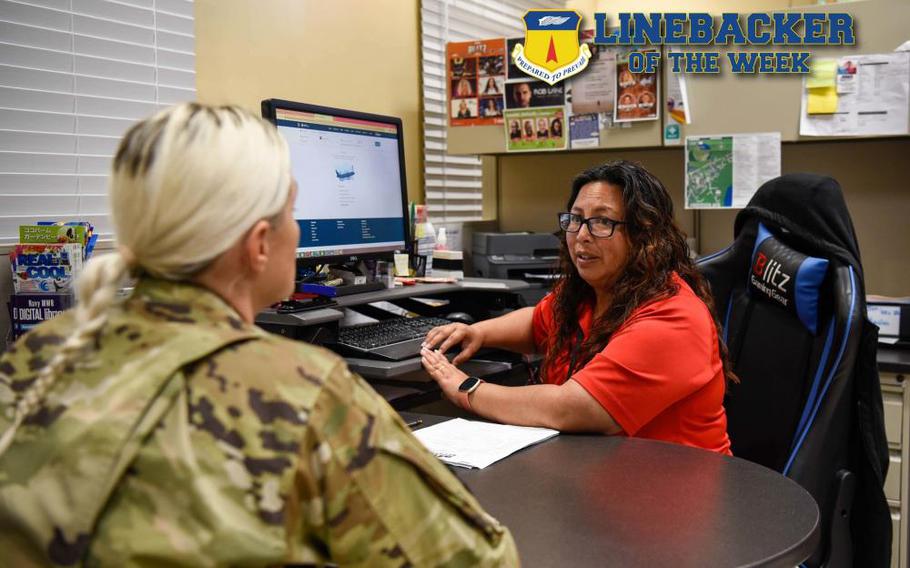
(822, 101)
(822, 73)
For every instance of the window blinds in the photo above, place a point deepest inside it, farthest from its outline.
(453, 183)
(74, 76)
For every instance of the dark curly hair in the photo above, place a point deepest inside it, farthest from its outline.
(657, 250)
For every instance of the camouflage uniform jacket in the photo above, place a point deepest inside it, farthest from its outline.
(187, 437)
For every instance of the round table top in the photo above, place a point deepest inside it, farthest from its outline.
(578, 500)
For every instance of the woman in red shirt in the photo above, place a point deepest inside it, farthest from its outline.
(629, 341)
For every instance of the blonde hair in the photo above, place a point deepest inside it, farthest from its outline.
(185, 185)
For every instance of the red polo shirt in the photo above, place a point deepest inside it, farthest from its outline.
(659, 377)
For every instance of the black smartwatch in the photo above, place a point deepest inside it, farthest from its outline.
(468, 386)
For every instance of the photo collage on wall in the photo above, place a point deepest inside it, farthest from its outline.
(584, 108)
(541, 128)
(476, 82)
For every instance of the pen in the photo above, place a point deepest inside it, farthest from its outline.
(415, 423)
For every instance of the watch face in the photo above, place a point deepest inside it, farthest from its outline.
(469, 384)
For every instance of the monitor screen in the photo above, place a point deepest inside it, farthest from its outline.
(349, 166)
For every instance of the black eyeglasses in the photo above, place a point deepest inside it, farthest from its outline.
(600, 227)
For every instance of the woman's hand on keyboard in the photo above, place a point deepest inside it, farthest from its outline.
(448, 336)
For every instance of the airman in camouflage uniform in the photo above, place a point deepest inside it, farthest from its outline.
(188, 437)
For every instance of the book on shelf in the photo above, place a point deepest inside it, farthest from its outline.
(28, 310)
(45, 267)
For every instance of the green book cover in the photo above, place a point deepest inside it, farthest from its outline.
(52, 234)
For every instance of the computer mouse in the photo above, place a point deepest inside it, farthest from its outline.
(461, 317)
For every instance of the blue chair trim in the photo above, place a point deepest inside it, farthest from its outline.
(816, 381)
(727, 317)
(715, 255)
(828, 380)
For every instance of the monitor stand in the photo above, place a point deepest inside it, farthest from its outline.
(368, 286)
(347, 289)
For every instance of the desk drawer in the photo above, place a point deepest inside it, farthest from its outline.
(893, 405)
(893, 480)
(892, 379)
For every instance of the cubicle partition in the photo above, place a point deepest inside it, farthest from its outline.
(532, 187)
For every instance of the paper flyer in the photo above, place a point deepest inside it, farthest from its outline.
(594, 90)
(476, 81)
(535, 129)
(724, 171)
(584, 131)
(861, 95)
(678, 112)
(637, 94)
(678, 99)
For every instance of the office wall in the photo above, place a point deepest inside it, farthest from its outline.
(587, 8)
(534, 188)
(873, 174)
(356, 54)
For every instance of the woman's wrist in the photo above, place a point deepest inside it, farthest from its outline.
(477, 328)
(463, 397)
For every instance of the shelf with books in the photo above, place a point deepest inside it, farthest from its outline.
(44, 267)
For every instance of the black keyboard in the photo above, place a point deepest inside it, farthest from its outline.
(392, 339)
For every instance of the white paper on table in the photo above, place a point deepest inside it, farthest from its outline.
(481, 285)
(473, 444)
(877, 103)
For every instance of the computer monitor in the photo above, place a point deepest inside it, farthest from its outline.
(352, 197)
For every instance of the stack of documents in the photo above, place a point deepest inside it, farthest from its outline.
(471, 444)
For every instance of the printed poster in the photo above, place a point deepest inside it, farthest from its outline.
(535, 129)
(530, 94)
(476, 81)
(677, 99)
(725, 171)
(637, 94)
(678, 112)
(513, 71)
(593, 90)
(584, 131)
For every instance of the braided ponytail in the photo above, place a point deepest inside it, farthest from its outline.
(96, 292)
(185, 185)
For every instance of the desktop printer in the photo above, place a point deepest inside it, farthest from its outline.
(517, 256)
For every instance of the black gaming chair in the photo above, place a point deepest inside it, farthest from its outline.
(789, 291)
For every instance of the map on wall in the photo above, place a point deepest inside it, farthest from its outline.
(724, 171)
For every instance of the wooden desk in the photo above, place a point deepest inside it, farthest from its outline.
(610, 501)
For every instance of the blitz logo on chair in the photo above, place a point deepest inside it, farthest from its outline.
(774, 267)
(786, 277)
(769, 270)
